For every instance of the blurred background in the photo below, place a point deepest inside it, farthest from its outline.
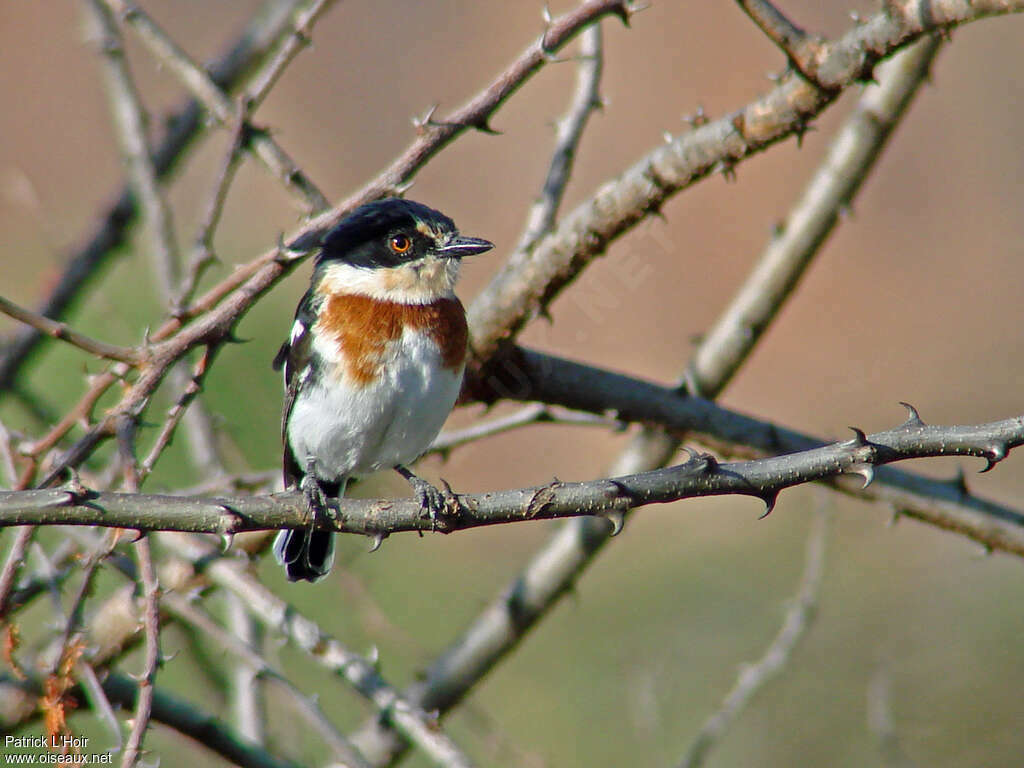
(916, 297)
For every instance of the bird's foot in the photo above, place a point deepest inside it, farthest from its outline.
(440, 503)
(316, 500)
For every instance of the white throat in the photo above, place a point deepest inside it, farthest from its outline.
(423, 281)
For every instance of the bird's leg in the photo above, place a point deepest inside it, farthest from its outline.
(316, 501)
(437, 502)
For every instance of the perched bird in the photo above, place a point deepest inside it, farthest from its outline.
(374, 362)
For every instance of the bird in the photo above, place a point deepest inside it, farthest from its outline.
(373, 364)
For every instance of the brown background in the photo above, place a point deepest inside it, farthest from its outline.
(916, 297)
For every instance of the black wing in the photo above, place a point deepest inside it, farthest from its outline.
(294, 357)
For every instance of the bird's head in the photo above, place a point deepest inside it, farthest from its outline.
(394, 250)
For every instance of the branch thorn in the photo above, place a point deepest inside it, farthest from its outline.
(913, 417)
(858, 439)
(866, 471)
(75, 488)
(800, 130)
(727, 168)
(993, 454)
(483, 126)
(769, 500)
(616, 517)
(422, 123)
(378, 539)
(630, 9)
(699, 463)
(698, 118)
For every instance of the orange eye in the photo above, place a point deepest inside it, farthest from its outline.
(400, 244)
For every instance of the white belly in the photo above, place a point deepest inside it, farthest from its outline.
(351, 430)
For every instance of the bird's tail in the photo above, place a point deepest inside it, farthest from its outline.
(305, 553)
(308, 553)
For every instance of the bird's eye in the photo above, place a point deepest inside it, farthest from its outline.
(400, 244)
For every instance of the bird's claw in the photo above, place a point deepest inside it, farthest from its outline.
(316, 501)
(438, 503)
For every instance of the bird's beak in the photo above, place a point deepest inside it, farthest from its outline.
(460, 246)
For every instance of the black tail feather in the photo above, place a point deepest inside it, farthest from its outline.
(305, 553)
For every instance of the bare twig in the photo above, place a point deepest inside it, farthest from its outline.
(202, 87)
(862, 456)
(435, 134)
(794, 245)
(61, 331)
(275, 613)
(246, 694)
(151, 624)
(193, 385)
(880, 722)
(260, 668)
(7, 455)
(73, 621)
(224, 304)
(203, 254)
(201, 726)
(559, 562)
(82, 411)
(15, 557)
(71, 635)
(93, 691)
(850, 158)
(182, 127)
(801, 49)
(130, 121)
(753, 677)
(304, 17)
(568, 132)
(298, 38)
(50, 582)
(530, 280)
(535, 413)
(947, 505)
(432, 137)
(126, 428)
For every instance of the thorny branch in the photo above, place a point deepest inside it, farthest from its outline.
(415, 724)
(219, 310)
(130, 121)
(61, 331)
(293, 43)
(531, 279)
(184, 610)
(568, 132)
(948, 505)
(701, 475)
(151, 624)
(753, 677)
(182, 128)
(228, 114)
(835, 65)
(536, 413)
(554, 568)
(169, 709)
